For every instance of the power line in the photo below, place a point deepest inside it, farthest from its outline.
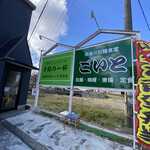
(61, 17)
(59, 21)
(39, 3)
(39, 18)
(44, 13)
(54, 19)
(72, 6)
(144, 15)
(33, 15)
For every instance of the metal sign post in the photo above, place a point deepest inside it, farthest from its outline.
(37, 86)
(71, 86)
(40, 70)
(133, 94)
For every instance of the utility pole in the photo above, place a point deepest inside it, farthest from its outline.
(127, 15)
(128, 97)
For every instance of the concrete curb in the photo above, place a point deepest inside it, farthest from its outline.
(128, 137)
(34, 145)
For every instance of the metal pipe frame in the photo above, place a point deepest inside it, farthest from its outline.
(133, 95)
(122, 32)
(49, 50)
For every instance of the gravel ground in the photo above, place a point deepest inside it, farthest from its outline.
(50, 133)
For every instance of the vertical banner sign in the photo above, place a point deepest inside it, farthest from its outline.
(56, 69)
(107, 66)
(142, 122)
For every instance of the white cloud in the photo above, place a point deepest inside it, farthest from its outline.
(52, 24)
(37, 65)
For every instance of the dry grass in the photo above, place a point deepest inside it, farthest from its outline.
(107, 112)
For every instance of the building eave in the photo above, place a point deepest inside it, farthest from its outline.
(30, 4)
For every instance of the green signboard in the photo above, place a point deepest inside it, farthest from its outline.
(56, 69)
(106, 66)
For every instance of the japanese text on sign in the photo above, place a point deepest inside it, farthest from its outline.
(107, 65)
(56, 70)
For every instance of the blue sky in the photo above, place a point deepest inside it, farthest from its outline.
(80, 24)
(76, 24)
(109, 14)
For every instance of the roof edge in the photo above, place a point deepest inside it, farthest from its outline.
(30, 4)
(20, 64)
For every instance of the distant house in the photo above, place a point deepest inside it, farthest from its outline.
(15, 58)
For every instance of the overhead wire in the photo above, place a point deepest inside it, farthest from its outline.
(59, 22)
(60, 19)
(33, 14)
(144, 14)
(66, 15)
(63, 17)
(39, 20)
(55, 18)
(52, 23)
(39, 3)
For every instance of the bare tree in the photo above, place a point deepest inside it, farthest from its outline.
(33, 80)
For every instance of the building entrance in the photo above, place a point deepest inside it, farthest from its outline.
(11, 90)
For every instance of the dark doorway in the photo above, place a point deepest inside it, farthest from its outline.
(11, 90)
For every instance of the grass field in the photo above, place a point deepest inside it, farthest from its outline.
(107, 112)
